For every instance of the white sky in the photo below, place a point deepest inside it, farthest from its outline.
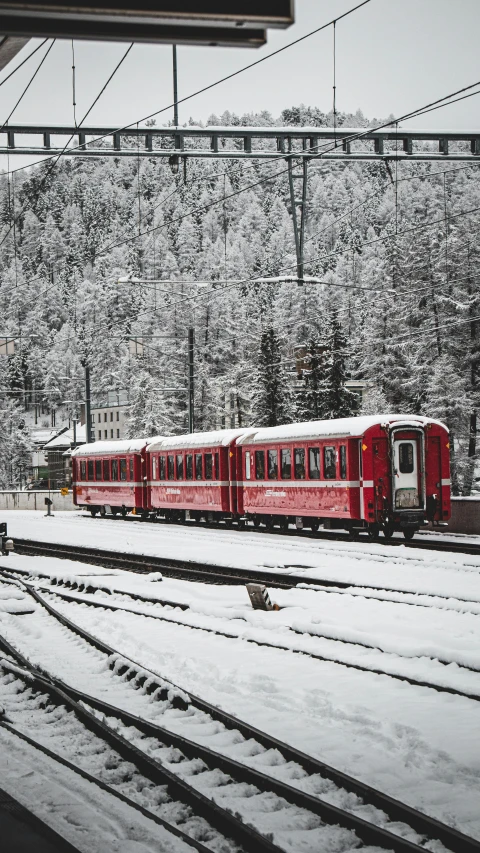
(392, 57)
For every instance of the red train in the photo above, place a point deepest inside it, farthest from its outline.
(378, 473)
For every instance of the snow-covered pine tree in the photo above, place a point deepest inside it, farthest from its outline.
(272, 397)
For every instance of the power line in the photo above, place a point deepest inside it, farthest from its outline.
(32, 78)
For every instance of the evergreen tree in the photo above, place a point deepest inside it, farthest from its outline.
(272, 397)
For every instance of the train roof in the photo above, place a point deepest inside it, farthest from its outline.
(335, 428)
(214, 438)
(110, 448)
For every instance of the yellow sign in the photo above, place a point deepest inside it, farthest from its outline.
(64, 491)
(364, 447)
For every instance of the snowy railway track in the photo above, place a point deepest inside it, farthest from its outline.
(207, 573)
(295, 767)
(335, 657)
(451, 545)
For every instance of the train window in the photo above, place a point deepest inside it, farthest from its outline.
(299, 455)
(260, 464)
(209, 466)
(170, 467)
(329, 463)
(114, 469)
(161, 467)
(405, 458)
(343, 462)
(98, 469)
(111, 416)
(286, 457)
(131, 467)
(179, 466)
(216, 473)
(154, 467)
(106, 433)
(99, 434)
(90, 469)
(106, 470)
(198, 466)
(314, 463)
(104, 416)
(247, 465)
(83, 470)
(272, 464)
(123, 469)
(189, 466)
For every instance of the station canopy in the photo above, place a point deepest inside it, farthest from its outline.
(208, 22)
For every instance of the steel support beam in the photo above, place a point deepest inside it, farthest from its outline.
(298, 201)
(242, 142)
(208, 22)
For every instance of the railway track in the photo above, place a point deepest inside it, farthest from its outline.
(333, 657)
(454, 547)
(381, 829)
(204, 572)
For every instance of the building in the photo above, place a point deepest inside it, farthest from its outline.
(109, 416)
(57, 453)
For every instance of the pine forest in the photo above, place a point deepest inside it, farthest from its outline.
(109, 261)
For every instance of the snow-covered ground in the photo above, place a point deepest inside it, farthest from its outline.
(413, 742)
(456, 576)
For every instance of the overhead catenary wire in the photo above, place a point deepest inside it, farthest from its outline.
(32, 78)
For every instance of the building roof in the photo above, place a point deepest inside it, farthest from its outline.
(64, 438)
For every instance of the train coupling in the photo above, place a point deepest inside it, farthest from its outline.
(6, 544)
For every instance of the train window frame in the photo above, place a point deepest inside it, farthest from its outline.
(179, 464)
(286, 463)
(170, 466)
(83, 470)
(260, 454)
(198, 466)
(114, 470)
(248, 465)
(360, 460)
(123, 469)
(189, 466)
(272, 470)
(216, 461)
(131, 468)
(209, 474)
(343, 461)
(299, 467)
(98, 469)
(406, 467)
(329, 467)
(106, 470)
(90, 470)
(162, 467)
(314, 473)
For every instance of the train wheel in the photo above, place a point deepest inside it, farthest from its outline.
(123, 511)
(269, 522)
(257, 521)
(103, 511)
(314, 525)
(388, 531)
(93, 512)
(409, 534)
(284, 524)
(373, 531)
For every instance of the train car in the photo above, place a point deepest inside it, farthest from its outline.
(111, 476)
(378, 473)
(194, 476)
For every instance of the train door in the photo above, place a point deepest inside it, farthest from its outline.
(406, 469)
